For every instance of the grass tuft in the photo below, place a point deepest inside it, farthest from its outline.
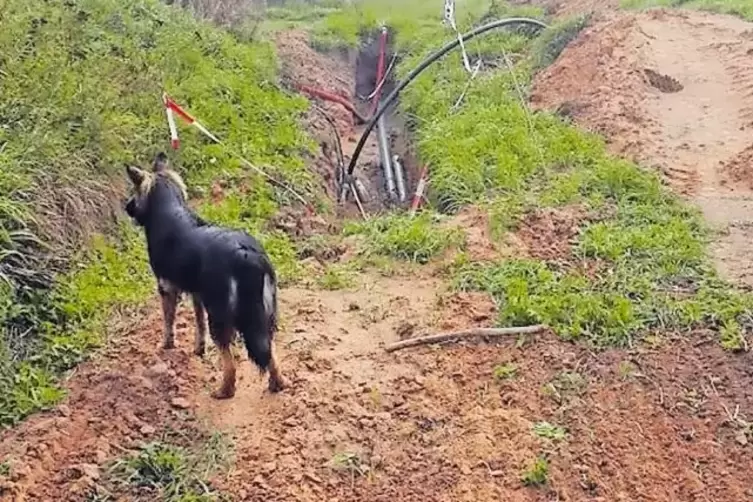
(169, 471)
(399, 236)
(537, 474)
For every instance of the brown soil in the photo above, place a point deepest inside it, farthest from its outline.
(430, 423)
(548, 233)
(665, 422)
(740, 168)
(130, 393)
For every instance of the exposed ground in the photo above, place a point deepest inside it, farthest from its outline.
(666, 421)
(690, 116)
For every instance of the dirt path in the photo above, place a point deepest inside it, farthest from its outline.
(675, 94)
(669, 421)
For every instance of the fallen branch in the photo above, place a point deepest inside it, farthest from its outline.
(461, 335)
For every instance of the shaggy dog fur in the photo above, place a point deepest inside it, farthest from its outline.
(227, 273)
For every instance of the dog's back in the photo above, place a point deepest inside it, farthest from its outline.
(227, 272)
(231, 273)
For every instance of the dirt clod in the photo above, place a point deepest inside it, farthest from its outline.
(664, 83)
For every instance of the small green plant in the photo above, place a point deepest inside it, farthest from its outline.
(627, 370)
(537, 474)
(173, 473)
(548, 431)
(565, 385)
(5, 468)
(336, 277)
(505, 371)
(351, 464)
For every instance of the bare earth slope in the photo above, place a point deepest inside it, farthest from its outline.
(674, 90)
(666, 422)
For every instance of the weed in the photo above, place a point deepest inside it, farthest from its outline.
(627, 370)
(565, 385)
(350, 463)
(336, 277)
(550, 43)
(413, 239)
(548, 431)
(537, 473)
(505, 371)
(171, 472)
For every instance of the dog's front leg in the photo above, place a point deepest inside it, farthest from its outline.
(169, 295)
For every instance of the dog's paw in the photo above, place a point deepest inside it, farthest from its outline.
(168, 344)
(278, 384)
(199, 350)
(224, 393)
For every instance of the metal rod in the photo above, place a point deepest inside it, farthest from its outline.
(397, 166)
(384, 153)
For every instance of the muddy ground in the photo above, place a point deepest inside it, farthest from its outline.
(667, 421)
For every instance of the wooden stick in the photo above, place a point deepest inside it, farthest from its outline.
(469, 333)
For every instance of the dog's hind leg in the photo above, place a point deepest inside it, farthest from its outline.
(201, 327)
(169, 295)
(276, 381)
(222, 335)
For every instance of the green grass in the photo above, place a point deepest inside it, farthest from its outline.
(505, 371)
(336, 277)
(81, 88)
(537, 474)
(399, 236)
(741, 8)
(545, 430)
(169, 471)
(639, 263)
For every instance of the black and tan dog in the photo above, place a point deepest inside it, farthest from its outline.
(227, 272)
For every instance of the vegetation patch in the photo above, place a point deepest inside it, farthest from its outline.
(537, 474)
(548, 431)
(415, 239)
(81, 97)
(169, 471)
(640, 261)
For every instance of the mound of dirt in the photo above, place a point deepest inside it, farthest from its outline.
(597, 82)
(689, 116)
(127, 396)
(740, 168)
(548, 233)
(302, 65)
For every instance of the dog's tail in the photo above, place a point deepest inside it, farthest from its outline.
(257, 309)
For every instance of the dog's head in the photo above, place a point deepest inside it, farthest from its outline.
(160, 186)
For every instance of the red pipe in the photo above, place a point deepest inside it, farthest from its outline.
(380, 71)
(420, 188)
(332, 97)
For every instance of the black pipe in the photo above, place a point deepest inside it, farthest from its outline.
(425, 64)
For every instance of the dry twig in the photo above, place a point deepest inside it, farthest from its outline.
(469, 333)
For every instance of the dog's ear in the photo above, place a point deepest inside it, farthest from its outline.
(136, 175)
(160, 162)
